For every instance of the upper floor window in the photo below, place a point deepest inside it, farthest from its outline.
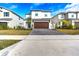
(36, 14)
(72, 16)
(6, 14)
(45, 15)
(62, 16)
(0, 10)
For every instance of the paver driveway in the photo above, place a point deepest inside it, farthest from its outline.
(45, 32)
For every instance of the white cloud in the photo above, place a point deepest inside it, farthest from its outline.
(69, 7)
(13, 6)
(72, 7)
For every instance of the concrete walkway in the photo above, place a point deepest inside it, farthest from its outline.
(52, 37)
(46, 47)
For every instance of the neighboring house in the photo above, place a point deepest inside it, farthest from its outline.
(73, 17)
(40, 19)
(11, 19)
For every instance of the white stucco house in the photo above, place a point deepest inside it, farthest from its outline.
(40, 19)
(11, 19)
(72, 16)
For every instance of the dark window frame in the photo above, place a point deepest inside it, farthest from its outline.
(36, 14)
(72, 15)
(62, 16)
(45, 15)
(6, 14)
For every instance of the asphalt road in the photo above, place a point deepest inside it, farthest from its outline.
(45, 32)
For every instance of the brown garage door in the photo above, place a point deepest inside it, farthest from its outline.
(41, 25)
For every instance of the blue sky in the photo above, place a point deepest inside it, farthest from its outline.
(24, 8)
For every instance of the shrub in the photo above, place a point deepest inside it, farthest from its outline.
(2, 27)
(20, 28)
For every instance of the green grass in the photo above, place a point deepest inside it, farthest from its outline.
(15, 32)
(6, 43)
(69, 31)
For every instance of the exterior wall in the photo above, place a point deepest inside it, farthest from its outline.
(61, 16)
(36, 17)
(24, 24)
(51, 26)
(70, 16)
(13, 20)
(55, 20)
(2, 13)
(47, 13)
(27, 16)
(77, 15)
(40, 15)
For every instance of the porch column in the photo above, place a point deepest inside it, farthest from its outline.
(32, 24)
(61, 23)
(73, 23)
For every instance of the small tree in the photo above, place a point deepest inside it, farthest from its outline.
(67, 24)
(29, 22)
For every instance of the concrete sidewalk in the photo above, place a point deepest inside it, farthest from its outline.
(22, 37)
(13, 37)
(52, 37)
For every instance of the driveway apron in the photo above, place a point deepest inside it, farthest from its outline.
(45, 32)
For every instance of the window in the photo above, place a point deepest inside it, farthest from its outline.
(6, 14)
(45, 15)
(0, 10)
(72, 15)
(62, 16)
(36, 14)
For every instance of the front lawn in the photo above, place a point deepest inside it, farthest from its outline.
(15, 32)
(69, 31)
(6, 43)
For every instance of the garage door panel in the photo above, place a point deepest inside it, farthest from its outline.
(41, 25)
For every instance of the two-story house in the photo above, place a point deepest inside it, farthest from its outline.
(40, 19)
(11, 19)
(73, 17)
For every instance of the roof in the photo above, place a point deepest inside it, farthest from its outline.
(38, 10)
(73, 12)
(67, 12)
(12, 12)
(42, 10)
(44, 19)
(28, 13)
